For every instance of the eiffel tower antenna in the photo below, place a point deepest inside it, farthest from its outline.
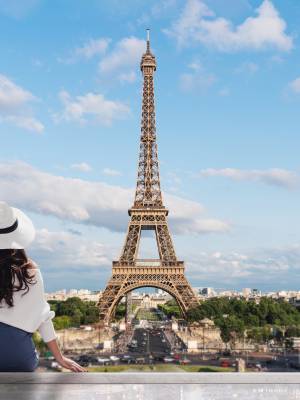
(148, 40)
(147, 213)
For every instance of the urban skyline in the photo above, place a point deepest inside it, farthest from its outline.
(231, 179)
(209, 292)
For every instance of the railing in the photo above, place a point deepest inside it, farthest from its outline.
(148, 263)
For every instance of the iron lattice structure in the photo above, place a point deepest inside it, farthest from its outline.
(149, 213)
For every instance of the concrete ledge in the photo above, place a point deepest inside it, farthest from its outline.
(152, 378)
(149, 386)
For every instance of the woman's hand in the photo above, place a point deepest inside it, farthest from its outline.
(71, 365)
(64, 361)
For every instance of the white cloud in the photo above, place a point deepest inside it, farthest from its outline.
(92, 203)
(28, 123)
(197, 79)
(123, 59)
(64, 249)
(62, 255)
(83, 167)
(91, 107)
(127, 52)
(121, 62)
(129, 77)
(295, 85)
(274, 176)
(173, 182)
(15, 106)
(261, 268)
(12, 95)
(111, 172)
(198, 23)
(92, 48)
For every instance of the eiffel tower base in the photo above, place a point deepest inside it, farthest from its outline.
(125, 279)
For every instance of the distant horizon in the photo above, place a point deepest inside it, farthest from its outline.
(220, 290)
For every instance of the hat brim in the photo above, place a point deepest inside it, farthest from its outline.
(22, 237)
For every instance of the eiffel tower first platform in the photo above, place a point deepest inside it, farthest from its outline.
(149, 213)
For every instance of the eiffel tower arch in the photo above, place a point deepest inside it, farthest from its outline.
(148, 213)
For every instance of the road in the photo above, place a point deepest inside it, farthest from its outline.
(150, 341)
(153, 342)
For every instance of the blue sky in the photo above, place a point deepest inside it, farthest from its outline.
(227, 92)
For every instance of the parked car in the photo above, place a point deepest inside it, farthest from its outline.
(114, 358)
(168, 359)
(184, 361)
(85, 360)
(226, 353)
(258, 366)
(225, 364)
(103, 361)
(159, 357)
(93, 359)
(140, 360)
(127, 359)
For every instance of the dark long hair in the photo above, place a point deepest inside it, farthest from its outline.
(14, 274)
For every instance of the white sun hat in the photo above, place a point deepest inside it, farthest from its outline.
(16, 229)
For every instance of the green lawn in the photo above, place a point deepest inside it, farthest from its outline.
(159, 368)
(148, 315)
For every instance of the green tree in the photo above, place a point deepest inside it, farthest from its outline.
(76, 318)
(39, 343)
(292, 331)
(120, 311)
(78, 311)
(62, 322)
(259, 320)
(170, 309)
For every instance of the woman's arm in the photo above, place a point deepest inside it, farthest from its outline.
(63, 361)
(46, 330)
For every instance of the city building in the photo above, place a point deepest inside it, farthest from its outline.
(207, 292)
(83, 294)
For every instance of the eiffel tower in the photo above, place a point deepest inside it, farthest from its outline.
(147, 213)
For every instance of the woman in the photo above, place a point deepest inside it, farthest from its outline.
(23, 308)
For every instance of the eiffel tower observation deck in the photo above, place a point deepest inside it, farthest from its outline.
(147, 213)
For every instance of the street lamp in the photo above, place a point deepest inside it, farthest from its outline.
(203, 345)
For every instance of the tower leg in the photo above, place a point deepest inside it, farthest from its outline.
(123, 282)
